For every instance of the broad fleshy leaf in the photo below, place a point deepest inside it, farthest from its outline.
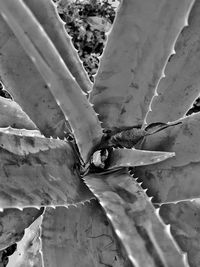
(45, 178)
(184, 218)
(177, 178)
(180, 86)
(134, 157)
(47, 15)
(12, 115)
(60, 82)
(13, 222)
(80, 236)
(138, 47)
(28, 88)
(23, 142)
(136, 223)
(28, 252)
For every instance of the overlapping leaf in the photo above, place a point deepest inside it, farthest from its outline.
(184, 218)
(134, 157)
(180, 87)
(28, 252)
(80, 236)
(60, 82)
(23, 142)
(26, 85)
(39, 171)
(12, 115)
(141, 231)
(40, 178)
(138, 46)
(13, 222)
(178, 177)
(47, 16)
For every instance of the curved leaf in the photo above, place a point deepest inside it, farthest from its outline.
(24, 82)
(28, 249)
(24, 142)
(45, 178)
(184, 218)
(135, 221)
(177, 178)
(47, 15)
(13, 222)
(138, 46)
(134, 157)
(80, 236)
(61, 83)
(129, 137)
(180, 86)
(12, 115)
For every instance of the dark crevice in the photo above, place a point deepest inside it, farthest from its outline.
(6, 253)
(195, 108)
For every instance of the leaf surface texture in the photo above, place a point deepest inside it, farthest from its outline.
(43, 178)
(13, 222)
(137, 49)
(46, 14)
(28, 88)
(178, 177)
(141, 231)
(28, 249)
(135, 157)
(59, 80)
(180, 86)
(184, 219)
(80, 236)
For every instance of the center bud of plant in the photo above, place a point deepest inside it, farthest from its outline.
(99, 158)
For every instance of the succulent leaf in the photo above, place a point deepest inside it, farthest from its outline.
(13, 222)
(12, 115)
(177, 178)
(46, 14)
(184, 218)
(135, 221)
(138, 47)
(24, 142)
(80, 236)
(45, 178)
(129, 137)
(61, 83)
(24, 82)
(41, 69)
(28, 252)
(180, 86)
(134, 157)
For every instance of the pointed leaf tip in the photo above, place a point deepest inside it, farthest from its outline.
(134, 157)
(177, 178)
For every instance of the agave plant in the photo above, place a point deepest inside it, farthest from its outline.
(111, 170)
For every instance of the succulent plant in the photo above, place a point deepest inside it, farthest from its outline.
(105, 174)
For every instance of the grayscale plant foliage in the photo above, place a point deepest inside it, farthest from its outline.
(103, 174)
